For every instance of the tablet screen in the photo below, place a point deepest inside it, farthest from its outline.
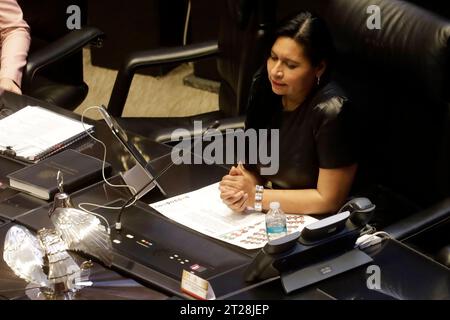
(122, 136)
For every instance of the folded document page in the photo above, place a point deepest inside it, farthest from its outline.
(204, 211)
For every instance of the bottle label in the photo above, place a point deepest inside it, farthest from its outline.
(276, 232)
(276, 229)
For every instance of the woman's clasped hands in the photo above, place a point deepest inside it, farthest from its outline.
(237, 188)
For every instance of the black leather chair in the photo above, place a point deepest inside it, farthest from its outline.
(398, 77)
(54, 70)
(242, 32)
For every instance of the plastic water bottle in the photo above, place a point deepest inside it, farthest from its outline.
(275, 222)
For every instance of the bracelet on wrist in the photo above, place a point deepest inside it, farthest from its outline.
(258, 197)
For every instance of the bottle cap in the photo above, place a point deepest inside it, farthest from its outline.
(274, 205)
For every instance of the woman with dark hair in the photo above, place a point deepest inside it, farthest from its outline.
(317, 154)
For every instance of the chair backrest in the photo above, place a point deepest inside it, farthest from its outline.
(242, 37)
(48, 22)
(398, 76)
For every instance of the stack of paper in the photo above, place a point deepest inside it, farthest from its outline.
(34, 133)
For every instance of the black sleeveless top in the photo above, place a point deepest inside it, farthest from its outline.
(317, 134)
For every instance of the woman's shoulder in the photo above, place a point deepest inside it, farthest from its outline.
(330, 100)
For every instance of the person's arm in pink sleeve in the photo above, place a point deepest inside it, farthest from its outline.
(14, 41)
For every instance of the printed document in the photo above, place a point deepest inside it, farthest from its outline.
(204, 211)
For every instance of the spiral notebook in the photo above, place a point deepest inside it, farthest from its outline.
(34, 133)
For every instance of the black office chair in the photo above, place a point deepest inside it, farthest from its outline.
(398, 77)
(54, 70)
(242, 32)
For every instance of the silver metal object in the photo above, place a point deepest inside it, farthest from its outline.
(61, 199)
(44, 260)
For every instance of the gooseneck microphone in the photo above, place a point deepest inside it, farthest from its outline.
(133, 198)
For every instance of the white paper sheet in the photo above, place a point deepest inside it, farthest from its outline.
(204, 211)
(32, 131)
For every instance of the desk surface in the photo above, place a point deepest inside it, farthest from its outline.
(405, 274)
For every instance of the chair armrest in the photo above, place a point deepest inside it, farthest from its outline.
(164, 135)
(157, 57)
(421, 221)
(59, 49)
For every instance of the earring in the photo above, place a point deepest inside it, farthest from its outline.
(318, 80)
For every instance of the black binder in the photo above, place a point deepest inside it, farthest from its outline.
(39, 179)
